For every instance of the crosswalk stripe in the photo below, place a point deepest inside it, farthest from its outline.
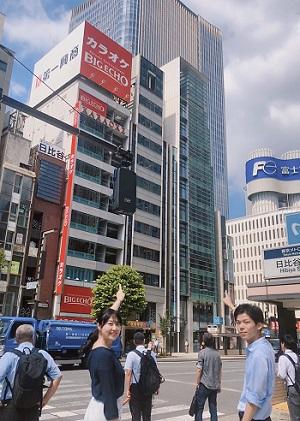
(205, 415)
(127, 416)
(70, 395)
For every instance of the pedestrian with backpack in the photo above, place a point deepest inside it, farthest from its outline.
(22, 372)
(142, 379)
(289, 370)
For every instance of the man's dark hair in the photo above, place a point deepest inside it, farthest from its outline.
(139, 338)
(252, 311)
(208, 340)
(289, 342)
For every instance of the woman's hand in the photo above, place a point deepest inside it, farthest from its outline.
(228, 301)
(120, 294)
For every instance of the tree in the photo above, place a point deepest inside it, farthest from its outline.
(107, 286)
(165, 325)
(3, 261)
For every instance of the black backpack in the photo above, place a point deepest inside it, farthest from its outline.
(150, 378)
(27, 391)
(297, 371)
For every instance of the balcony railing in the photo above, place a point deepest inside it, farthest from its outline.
(83, 227)
(81, 255)
(91, 203)
(88, 177)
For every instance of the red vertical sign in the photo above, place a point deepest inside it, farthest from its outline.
(67, 212)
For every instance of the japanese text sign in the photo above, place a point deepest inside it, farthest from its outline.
(76, 300)
(51, 150)
(106, 62)
(86, 51)
(282, 262)
(92, 103)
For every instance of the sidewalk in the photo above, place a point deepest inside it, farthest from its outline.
(193, 356)
(277, 415)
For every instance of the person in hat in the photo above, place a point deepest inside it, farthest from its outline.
(140, 405)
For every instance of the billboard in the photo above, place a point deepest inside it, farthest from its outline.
(57, 67)
(269, 167)
(86, 51)
(106, 63)
(91, 103)
(282, 262)
(292, 223)
(76, 300)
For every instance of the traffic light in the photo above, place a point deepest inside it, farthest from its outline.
(124, 191)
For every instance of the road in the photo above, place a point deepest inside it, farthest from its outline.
(171, 404)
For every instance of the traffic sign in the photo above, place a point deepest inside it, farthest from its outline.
(218, 320)
(292, 223)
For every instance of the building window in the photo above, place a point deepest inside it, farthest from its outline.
(150, 105)
(148, 185)
(13, 212)
(148, 143)
(3, 66)
(18, 182)
(147, 229)
(151, 81)
(148, 207)
(150, 313)
(156, 128)
(80, 274)
(146, 253)
(150, 279)
(148, 164)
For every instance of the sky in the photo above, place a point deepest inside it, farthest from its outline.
(261, 43)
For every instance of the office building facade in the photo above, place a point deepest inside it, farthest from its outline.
(93, 236)
(146, 250)
(161, 30)
(16, 191)
(192, 289)
(272, 191)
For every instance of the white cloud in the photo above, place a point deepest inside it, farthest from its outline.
(17, 89)
(30, 27)
(261, 42)
(285, 115)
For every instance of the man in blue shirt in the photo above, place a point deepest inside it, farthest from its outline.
(8, 365)
(255, 401)
(140, 405)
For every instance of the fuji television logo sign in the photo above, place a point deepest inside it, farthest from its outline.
(268, 167)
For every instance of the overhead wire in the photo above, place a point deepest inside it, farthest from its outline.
(41, 80)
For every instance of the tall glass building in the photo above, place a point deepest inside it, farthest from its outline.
(161, 30)
(192, 269)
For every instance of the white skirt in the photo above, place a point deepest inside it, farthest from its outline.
(95, 410)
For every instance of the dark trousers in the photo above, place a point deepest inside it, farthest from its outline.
(140, 405)
(10, 413)
(241, 414)
(202, 394)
